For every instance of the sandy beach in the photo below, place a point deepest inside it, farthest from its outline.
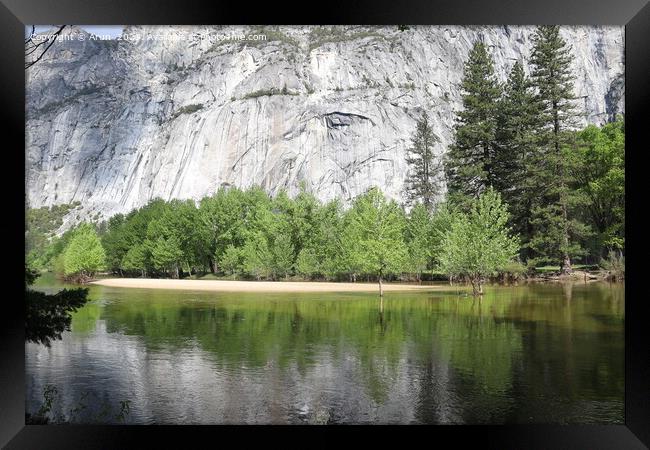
(259, 286)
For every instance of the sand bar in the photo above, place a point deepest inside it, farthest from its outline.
(259, 286)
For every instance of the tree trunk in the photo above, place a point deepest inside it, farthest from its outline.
(381, 288)
(477, 287)
(565, 266)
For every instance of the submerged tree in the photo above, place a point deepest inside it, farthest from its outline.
(479, 243)
(422, 180)
(375, 235)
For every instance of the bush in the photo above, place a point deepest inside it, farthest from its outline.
(513, 271)
(188, 109)
(614, 266)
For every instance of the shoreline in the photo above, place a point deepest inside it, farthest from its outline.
(259, 286)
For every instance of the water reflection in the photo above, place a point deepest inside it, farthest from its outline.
(537, 353)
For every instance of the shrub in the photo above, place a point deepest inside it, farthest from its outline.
(614, 266)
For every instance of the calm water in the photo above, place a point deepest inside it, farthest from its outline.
(533, 354)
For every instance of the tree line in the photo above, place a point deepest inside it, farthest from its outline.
(250, 234)
(564, 188)
(524, 188)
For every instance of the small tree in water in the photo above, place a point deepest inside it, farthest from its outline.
(375, 235)
(479, 244)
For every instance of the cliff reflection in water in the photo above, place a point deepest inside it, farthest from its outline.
(537, 353)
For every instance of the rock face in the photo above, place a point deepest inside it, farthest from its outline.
(177, 112)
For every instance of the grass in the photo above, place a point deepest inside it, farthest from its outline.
(268, 92)
(321, 35)
(188, 109)
(551, 269)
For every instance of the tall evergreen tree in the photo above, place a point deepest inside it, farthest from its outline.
(555, 235)
(469, 165)
(422, 181)
(515, 149)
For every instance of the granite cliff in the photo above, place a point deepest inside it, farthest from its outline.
(113, 124)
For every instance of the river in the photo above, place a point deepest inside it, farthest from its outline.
(535, 353)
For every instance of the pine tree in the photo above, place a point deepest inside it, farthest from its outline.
(469, 165)
(553, 79)
(422, 182)
(515, 151)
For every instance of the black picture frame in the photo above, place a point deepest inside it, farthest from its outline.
(15, 14)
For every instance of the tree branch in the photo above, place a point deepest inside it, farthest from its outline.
(50, 41)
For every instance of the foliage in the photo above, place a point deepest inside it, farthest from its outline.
(41, 225)
(515, 148)
(136, 259)
(231, 260)
(188, 109)
(557, 227)
(374, 235)
(417, 235)
(600, 176)
(84, 255)
(469, 164)
(614, 265)
(422, 180)
(47, 316)
(479, 244)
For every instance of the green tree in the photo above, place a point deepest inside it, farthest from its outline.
(222, 221)
(308, 264)
(112, 240)
(515, 151)
(469, 163)
(124, 233)
(417, 238)
(166, 253)
(422, 180)
(600, 177)
(282, 254)
(375, 235)
(326, 241)
(441, 221)
(479, 243)
(556, 232)
(231, 260)
(84, 255)
(257, 257)
(136, 259)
